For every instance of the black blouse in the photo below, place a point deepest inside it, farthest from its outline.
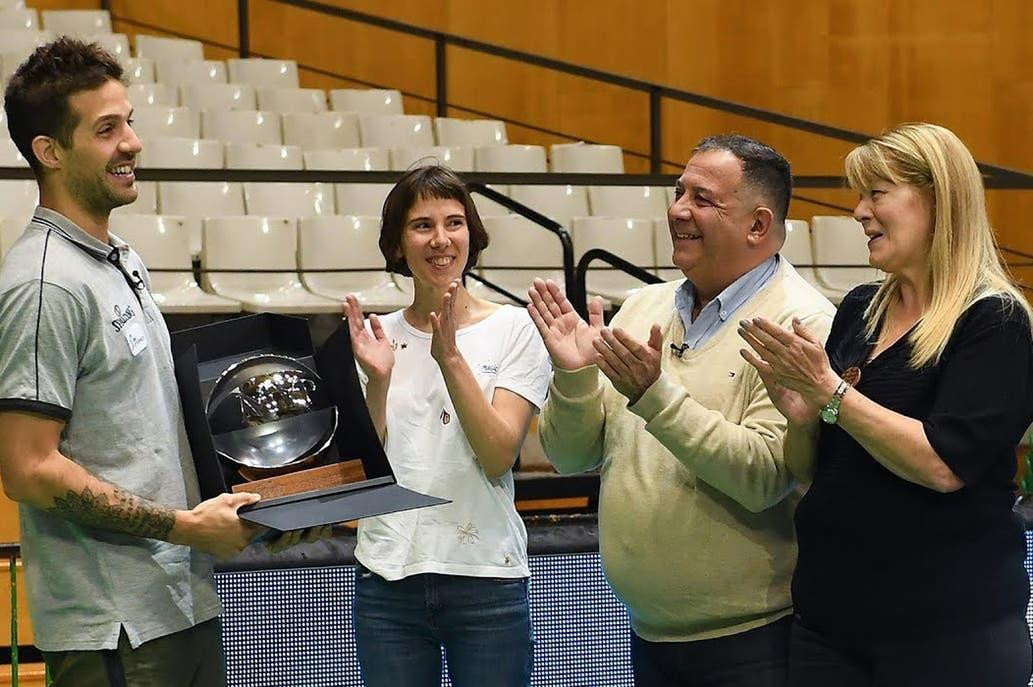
(883, 557)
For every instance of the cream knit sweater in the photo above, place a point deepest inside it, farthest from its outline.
(696, 505)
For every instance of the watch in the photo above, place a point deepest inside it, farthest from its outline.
(829, 413)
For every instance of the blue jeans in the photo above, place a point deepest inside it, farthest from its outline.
(483, 623)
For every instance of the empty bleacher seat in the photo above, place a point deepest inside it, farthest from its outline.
(19, 198)
(560, 203)
(258, 243)
(152, 94)
(840, 241)
(354, 199)
(321, 130)
(369, 101)
(197, 200)
(160, 48)
(798, 250)
(348, 159)
(510, 158)
(347, 242)
(241, 126)
(458, 158)
(162, 243)
(218, 96)
(470, 132)
(180, 153)
(19, 18)
(19, 43)
(115, 43)
(10, 230)
(77, 22)
(10, 156)
(664, 252)
(519, 251)
(146, 202)
(179, 72)
(263, 73)
(138, 70)
(627, 201)
(292, 99)
(278, 199)
(586, 157)
(631, 239)
(166, 122)
(262, 156)
(396, 131)
(506, 158)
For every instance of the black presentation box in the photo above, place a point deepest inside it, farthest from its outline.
(201, 354)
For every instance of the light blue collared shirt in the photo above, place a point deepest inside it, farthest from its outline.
(717, 311)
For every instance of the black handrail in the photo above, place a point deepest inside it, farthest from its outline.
(581, 274)
(570, 285)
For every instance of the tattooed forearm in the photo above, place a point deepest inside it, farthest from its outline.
(127, 513)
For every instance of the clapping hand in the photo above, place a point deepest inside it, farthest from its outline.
(630, 365)
(793, 366)
(372, 350)
(443, 325)
(567, 337)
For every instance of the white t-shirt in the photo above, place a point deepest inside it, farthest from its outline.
(479, 533)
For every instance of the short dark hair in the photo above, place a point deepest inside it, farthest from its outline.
(763, 167)
(36, 99)
(421, 183)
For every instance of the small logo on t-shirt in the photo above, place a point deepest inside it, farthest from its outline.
(467, 534)
(490, 369)
(122, 316)
(445, 417)
(395, 345)
(731, 374)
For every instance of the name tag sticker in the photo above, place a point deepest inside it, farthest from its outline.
(136, 337)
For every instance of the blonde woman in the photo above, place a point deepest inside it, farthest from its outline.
(910, 568)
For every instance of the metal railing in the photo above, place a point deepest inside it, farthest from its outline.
(12, 552)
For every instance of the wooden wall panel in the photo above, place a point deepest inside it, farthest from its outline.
(859, 64)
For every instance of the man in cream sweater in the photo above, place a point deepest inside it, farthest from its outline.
(696, 503)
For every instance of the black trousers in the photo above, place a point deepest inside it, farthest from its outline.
(190, 658)
(756, 658)
(998, 654)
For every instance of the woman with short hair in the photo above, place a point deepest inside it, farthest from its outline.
(451, 383)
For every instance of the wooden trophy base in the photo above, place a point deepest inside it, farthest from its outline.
(300, 481)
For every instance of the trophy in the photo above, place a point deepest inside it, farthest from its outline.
(265, 412)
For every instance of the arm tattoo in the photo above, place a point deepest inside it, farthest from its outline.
(128, 514)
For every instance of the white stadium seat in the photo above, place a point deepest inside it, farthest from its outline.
(263, 73)
(631, 239)
(347, 242)
(77, 22)
(160, 48)
(241, 126)
(162, 244)
(470, 132)
(396, 131)
(272, 243)
(370, 101)
(321, 130)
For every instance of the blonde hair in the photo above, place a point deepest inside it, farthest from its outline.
(963, 263)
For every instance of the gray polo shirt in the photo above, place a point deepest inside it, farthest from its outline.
(82, 341)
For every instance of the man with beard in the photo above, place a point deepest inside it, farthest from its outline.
(92, 441)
